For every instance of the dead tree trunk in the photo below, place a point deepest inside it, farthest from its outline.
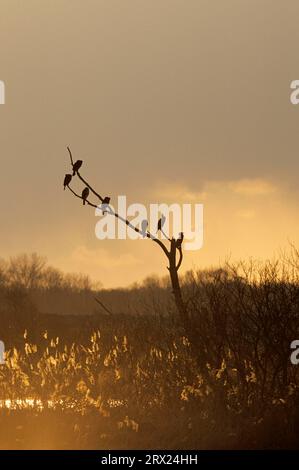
(175, 283)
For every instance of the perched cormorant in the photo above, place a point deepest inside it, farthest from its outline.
(106, 200)
(161, 222)
(76, 166)
(85, 194)
(144, 225)
(105, 204)
(67, 180)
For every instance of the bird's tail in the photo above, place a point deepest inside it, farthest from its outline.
(84, 203)
(74, 173)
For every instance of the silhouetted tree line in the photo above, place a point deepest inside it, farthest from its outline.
(31, 271)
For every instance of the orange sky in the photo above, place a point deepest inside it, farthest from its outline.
(169, 101)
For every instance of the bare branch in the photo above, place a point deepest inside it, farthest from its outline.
(136, 229)
(71, 156)
(162, 231)
(180, 259)
(103, 306)
(161, 245)
(127, 222)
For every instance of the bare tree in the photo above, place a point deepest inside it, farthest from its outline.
(173, 253)
(26, 270)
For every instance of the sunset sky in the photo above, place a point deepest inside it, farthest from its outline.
(165, 101)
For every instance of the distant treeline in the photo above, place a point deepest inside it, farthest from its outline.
(27, 281)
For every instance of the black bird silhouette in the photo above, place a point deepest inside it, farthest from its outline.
(85, 194)
(76, 166)
(144, 225)
(105, 203)
(67, 180)
(161, 222)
